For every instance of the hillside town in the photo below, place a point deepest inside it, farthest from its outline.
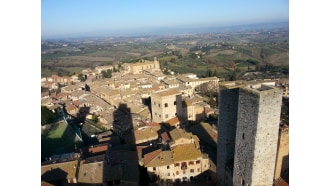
(140, 126)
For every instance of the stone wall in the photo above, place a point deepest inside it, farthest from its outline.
(257, 134)
(227, 119)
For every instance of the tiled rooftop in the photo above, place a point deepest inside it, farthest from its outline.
(166, 92)
(91, 172)
(173, 121)
(59, 171)
(161, 159)
(186, 152)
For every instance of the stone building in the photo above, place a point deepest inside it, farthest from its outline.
(200, 84)
(140, 67)
(248, 133)
(182, 162)
(165, 104)
(228, 107)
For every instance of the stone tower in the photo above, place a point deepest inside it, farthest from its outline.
(247, 133)
(228, 107)
(157, 66)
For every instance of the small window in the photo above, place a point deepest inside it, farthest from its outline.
(191, 170)
(174, 102)
(154, 168)
(158, 104)
(198, 162)
(243, 137)
(166, 115)
(177, 172)
(165, 105)
(168, 167)
(176, 164)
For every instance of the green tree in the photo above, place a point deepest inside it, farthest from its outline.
(208, 73)
(262, 54)
(107, 74)
(81, 77)
(215, 73)
(213, 102)
(46, 115)
(95, 118)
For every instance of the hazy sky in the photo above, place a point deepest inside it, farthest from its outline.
(60, 17)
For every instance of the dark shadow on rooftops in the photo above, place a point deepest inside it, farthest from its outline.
(147, 102)
(208, 142)
(124, 126)
(57, 177)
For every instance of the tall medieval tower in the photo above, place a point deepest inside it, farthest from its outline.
(257, 112)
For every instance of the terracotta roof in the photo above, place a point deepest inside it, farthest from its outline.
(165, 136)
(161, 159)
(140, 148)
(185, 152)
(280, 182)
(44, 94)
(150, 156)
(173, 121)
(59, 171)
(146, 134)
(179, 133)
(79, 102)
(44, 183)
(166, 92)
(70, 107)
(208, 110)
(95, 149)
(91, 172)
(153, 124)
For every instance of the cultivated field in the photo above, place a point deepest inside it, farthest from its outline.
(87, 58)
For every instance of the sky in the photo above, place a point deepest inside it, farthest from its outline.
(63, 17)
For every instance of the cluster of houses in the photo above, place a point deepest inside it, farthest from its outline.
(171, 155)
(133, 87)
(149, 111)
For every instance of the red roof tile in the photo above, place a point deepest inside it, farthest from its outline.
(150, 156)
(280, 182)
(173, 121)
(165, 136)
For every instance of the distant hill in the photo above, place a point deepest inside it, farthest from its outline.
(190, 29)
